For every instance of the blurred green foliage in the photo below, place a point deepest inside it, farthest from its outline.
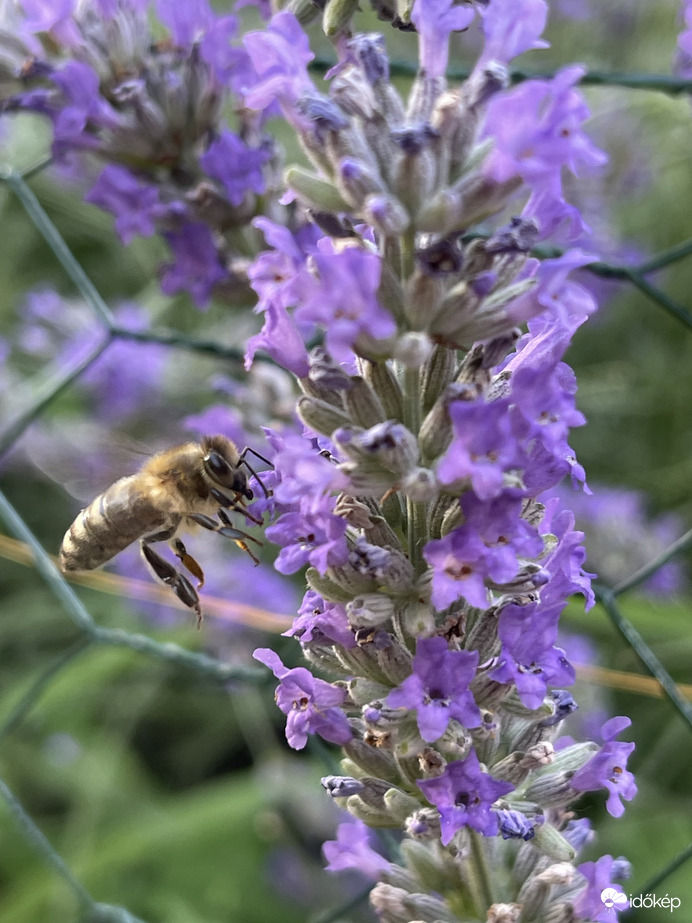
(175, 797)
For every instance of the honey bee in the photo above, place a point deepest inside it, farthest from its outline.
(175, 491)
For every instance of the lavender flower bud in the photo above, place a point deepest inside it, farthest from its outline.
(394, 905)
(386, 214)
(395, 662)
(413, 349)
(369, 610)
(364, 692)
(382, 380)
(420, 485)
(388, 445)
(306, 11)
(431, 763)
(314, 191)
(436, 429)
(551, 786)
(370, 52)
(438, 373)
(504, 913)
(414, 174)
(423, 294)
(363, 405)
(375, 527)
(428, 867)
(537, 891)
(452, 519)
(423, 824)
(373, 760)
(373, 817)
(552, 844)
(417, 620)
(326, 374)
(373, 792)
(469, 202)
(320, 416)
(457, 124)
(424, 93)
(356, 181)
(327, 587)
(342, 786)
(400, 804)
(337, 17)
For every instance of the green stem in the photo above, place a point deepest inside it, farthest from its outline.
(41, 845)
(482, 872)
(412, 398)
(408, 248)
(417, 511)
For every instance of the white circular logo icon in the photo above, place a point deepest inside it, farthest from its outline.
(613, 898)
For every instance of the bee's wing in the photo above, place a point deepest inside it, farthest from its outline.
(83, 457)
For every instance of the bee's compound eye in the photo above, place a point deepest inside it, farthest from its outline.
(219, 470)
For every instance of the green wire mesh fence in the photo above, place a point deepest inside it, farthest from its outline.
(91, 634)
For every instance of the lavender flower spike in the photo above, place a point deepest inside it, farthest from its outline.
(395, 275)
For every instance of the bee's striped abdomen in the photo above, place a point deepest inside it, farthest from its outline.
(111, 522)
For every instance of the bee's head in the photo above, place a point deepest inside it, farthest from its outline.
(221, 465)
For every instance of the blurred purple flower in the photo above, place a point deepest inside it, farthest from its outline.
(352, 850)
(280, 55)
(486, 444)
(135, 204)
(435, 20)
(343, 299)
(510, 28)
(85, 109)
(599, 877)
(621, 537)
(54, 17)
(197, 268)
(218, 418)
(307, 528)
(187, 21)
(237, 166)
(127, 375)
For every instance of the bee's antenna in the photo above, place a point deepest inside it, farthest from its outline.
(242, 460)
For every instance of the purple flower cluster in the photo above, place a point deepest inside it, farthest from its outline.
(121, 381)
(152, 111)
(307, 528)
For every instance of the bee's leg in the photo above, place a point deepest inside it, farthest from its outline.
(236, 505)
(226, 527)
(189, 562)
(168, 574)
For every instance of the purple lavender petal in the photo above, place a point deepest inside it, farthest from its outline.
(464, 796)
(352, 851)
(311, 705)
(435, 20)
(237, 166)
(197, 268)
